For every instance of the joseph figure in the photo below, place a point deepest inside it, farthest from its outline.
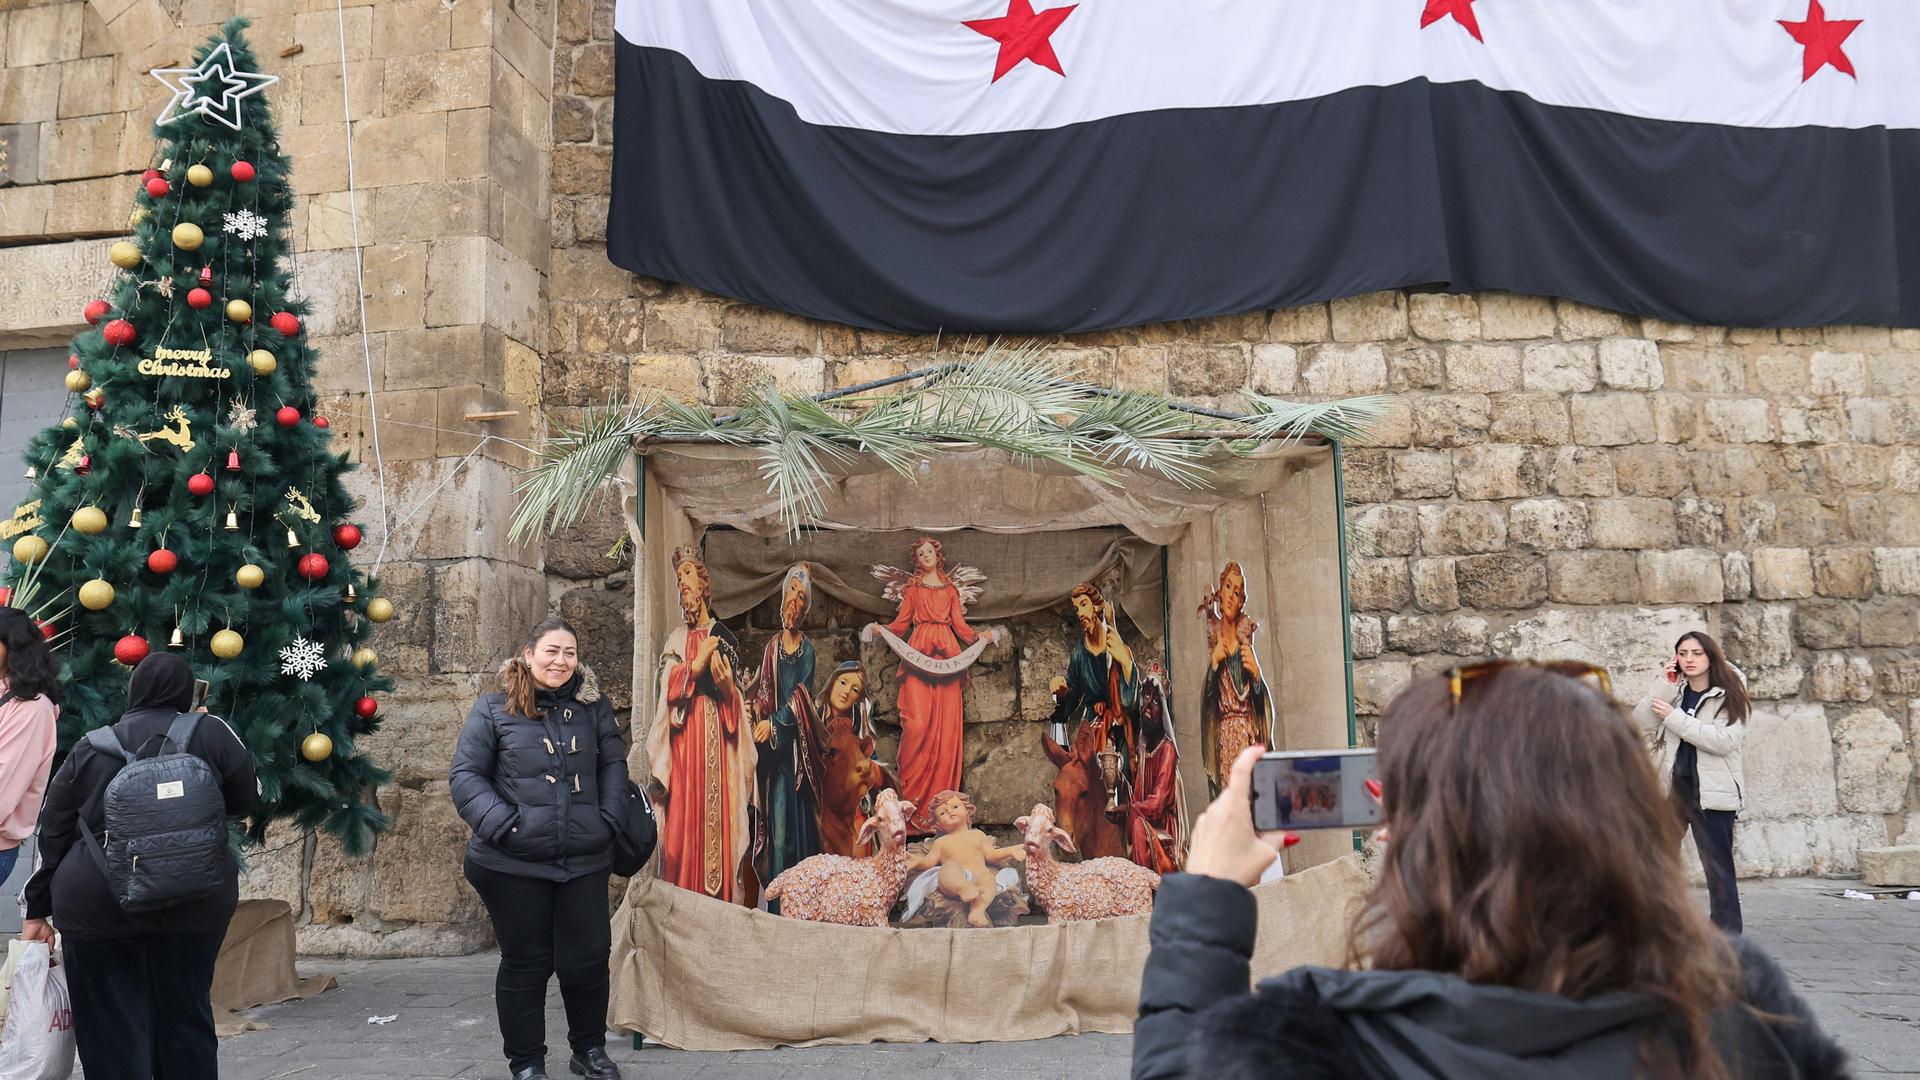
(784, 735)
(700, 750)
(1100, 683)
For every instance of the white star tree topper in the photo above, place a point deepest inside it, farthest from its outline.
(213, 89)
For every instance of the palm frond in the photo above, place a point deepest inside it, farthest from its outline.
(1006, 396)
(1345, 420)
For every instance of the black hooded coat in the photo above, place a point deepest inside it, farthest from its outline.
(67, 885)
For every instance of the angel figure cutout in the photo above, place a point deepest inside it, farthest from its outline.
(936, 647)
(1235, 711)
(964, 877)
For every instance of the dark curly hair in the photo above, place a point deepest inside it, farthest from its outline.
(32, 670)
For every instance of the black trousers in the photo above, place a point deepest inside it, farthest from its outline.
(142, 1007)
(1713, 838)
(547, 928)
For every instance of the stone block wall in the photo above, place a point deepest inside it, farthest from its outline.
(1551, 479)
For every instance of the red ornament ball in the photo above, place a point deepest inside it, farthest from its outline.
(96, 310)
(130, 650)
(163, 561)
(158, 188)
(287, 416)
(346, 537)
(73, 362)
(285, 322)
(322, 423)
(47, 629)
(148, 175)
(119, 332)
(312, 566)
(6, 595)
(200, 484)
(242, 171)
(366, 707)
(199, 298)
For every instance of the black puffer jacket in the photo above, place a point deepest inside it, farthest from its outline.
(1198, 1020)
(541, 795)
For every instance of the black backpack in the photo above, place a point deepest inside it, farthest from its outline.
(636, 834)
(166, 836)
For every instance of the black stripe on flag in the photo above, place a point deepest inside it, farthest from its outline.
(1178, 214)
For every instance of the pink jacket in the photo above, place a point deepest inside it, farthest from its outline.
(28, 730)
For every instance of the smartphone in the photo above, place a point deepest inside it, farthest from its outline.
(1315, 789)
(200, 688)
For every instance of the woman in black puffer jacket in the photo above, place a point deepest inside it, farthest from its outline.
(540, 775)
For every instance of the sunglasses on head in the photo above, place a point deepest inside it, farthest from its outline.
(1592, 674)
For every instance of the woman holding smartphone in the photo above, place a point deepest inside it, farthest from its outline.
(1695, 718)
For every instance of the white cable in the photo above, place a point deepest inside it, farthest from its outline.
(360, 286)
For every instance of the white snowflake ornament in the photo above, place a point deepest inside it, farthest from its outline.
(303, 659)
(243, 224)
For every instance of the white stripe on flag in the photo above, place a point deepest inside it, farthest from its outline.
(915, 68)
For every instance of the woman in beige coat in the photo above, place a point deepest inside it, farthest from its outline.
(1695, 717)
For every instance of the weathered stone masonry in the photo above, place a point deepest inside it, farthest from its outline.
(1552, 480)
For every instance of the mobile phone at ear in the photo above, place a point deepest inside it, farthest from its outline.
(200, 688)
(1315, 789)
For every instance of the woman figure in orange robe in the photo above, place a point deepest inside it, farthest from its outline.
(932, 708)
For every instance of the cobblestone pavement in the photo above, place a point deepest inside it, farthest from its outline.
(1858, 962)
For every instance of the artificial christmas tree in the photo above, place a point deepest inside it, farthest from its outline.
(177, 519)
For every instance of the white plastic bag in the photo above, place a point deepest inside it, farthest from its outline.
(37, 1043)
(14, 948)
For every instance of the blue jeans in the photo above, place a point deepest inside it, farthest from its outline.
(7, 859)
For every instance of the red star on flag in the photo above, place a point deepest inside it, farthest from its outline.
(1822, 38)
(1461, 10)
(1023, 35)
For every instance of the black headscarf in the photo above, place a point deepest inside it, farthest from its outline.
(162, 681)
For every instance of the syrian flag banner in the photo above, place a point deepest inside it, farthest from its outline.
(1048, 166)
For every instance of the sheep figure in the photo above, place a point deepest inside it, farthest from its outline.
(850, 891)
(1096, 889)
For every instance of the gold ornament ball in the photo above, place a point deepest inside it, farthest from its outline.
(364, 658)
(227, 644)
(316, 747)
(78, 381)
(124, 254)
(239, 311)
(199, 176)
(90, 520)
(69, 422)
(187, 236)
(262, 362)
(96, 595)
(134, 219)
(379, 609)
(29, 550)
(249, 576)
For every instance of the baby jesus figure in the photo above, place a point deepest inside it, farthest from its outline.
(955, 864)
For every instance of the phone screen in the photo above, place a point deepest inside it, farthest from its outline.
(1315, 789)
(200, 688)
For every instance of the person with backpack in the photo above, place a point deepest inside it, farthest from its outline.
(140, 932)
(540, 776)
(29, 718)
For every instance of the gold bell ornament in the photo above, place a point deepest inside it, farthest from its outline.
(349, 596)
(133, 519)
(233, 520)
(178, 640)
(293, 538)
(33, 473)
(316, 747)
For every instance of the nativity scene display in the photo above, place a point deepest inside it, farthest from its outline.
(787, 778)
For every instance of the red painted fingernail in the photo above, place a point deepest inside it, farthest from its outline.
(1289, 840)
(1373, 788)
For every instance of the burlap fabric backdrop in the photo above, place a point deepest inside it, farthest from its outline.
(697, 974)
